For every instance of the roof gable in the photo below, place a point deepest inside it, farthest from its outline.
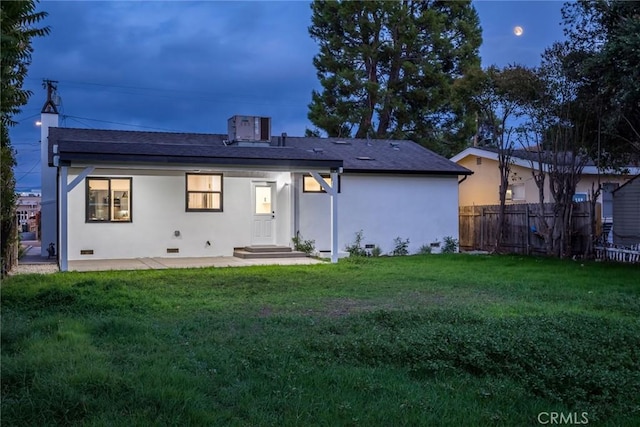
(529, 159)
(627, 184)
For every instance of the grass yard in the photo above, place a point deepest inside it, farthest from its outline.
(421, 340)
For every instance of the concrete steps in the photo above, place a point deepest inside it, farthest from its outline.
(266, 251)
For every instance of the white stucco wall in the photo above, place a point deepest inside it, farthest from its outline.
(158, 210)
(423, 209)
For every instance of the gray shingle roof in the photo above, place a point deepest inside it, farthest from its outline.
(354, 155)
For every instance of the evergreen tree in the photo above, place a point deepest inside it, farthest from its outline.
(17, 20)
(391, 69)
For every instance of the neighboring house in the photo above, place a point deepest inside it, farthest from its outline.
(626, 213)
(129, 194)
(482, 188)
(27, 208)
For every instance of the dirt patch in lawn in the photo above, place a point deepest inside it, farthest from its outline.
(411, 300)
(341, 307)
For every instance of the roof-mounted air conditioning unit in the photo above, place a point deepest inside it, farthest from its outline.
(249, 128)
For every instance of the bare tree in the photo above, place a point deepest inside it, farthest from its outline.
(559, 132)
(504, 93)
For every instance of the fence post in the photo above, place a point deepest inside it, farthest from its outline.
(482, 229)
(528, 225)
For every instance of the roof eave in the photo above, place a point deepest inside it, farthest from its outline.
(70, 159)
(408, 172)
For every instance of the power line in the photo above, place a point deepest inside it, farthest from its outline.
(28, 172)
(78, 121)
(122, 124)
(27, 118)
(185, 94)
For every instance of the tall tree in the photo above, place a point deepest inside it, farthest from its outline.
(555, 129)
(17, 26)
(388, 68)
(503, 95)
(603, 61)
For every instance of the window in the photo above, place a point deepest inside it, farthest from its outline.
(108, 200)
(204, 192)
(607, 198)
(580, 197)
(310, 185)
(515, 192)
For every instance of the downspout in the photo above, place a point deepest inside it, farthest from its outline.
(463, 179)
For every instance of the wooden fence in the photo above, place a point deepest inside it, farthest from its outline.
(479, 228)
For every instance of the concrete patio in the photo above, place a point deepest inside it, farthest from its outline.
(32, 262)
(164, 263)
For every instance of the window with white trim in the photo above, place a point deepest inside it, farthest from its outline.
(515, 192)
(108, 199)
(310, 185)
(580, 197)
(204, 192)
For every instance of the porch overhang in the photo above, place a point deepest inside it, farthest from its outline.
(71, 153)
(242, 160)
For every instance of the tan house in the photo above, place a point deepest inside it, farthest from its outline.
(482, 188)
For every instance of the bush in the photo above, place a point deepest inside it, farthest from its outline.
(356, 249)
(376, 251)
(425, 250)
(400, 247)
(306, 246)
(450, 245)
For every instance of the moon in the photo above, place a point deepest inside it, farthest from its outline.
(518, 31)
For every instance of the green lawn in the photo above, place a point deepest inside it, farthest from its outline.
(421, 340)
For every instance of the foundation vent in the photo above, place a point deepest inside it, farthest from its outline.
(173, 250)
(86, 251)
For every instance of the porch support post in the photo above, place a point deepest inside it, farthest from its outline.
(64, 221)
(332, 190)
(334, 217)
(65, 188)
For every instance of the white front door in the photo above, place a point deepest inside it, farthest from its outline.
(264, 213)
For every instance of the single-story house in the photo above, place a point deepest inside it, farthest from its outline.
(626, 213)
(482, 188)
(114, 194)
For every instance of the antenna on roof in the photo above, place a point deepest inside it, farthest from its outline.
(50, 105)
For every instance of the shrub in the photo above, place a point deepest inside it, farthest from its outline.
(400, 247)
(356, 249)
(376, 251)
(306, 246)
(450, 245)
(425, 250)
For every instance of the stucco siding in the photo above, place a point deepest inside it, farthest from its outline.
(482, 188)
(158, 211)
(423, 209)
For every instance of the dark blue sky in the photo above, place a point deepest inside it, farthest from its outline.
(188, 66)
